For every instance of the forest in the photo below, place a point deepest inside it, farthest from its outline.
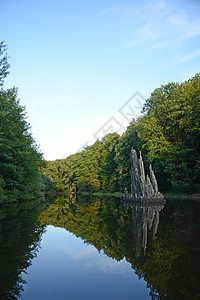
(167, 134)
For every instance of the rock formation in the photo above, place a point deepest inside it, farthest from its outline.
(143, 188)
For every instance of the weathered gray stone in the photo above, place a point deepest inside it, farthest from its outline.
(143, 188)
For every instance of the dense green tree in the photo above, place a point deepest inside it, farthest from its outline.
(78, 172)
(127, 141)
(170, 130)
(168, 135)
(108, 167)
(19, 154)
(87, 172)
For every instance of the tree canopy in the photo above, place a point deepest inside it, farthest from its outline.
(168, 134)
(170, 130)
(20, 157)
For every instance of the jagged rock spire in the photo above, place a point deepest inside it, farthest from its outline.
(142, 187)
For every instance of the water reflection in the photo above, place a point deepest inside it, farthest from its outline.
(161, 243)
(20, 236)
(145, 217)
(169, 262)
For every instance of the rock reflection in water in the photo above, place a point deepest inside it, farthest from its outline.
(145, 217)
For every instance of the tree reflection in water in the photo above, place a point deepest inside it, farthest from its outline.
(20, 236)
(161, 243)
(170, 262)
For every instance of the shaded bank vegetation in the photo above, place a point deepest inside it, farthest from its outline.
(168, 134)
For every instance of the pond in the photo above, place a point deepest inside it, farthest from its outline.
(99, 248)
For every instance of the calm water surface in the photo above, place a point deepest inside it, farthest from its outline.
(66, 268)
(95, 248)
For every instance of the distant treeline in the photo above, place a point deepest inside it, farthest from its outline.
(167, 134)
(20, 158)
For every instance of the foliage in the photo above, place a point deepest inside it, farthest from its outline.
(170, 130)
(90, 170)
(78, 172)
(19, 154)
(127, 141)
(108, 167)
(168, 135)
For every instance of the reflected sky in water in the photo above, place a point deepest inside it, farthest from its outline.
(67, 268)
(56, 249)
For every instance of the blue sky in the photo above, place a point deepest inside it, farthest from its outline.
(77, 63)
